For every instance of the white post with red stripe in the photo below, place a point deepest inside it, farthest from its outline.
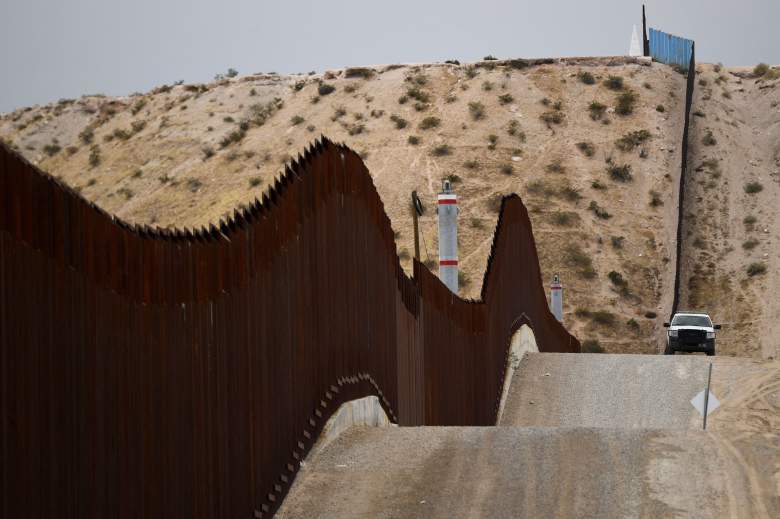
(556, 298)
(447, 211)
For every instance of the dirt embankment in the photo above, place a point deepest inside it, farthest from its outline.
(731, 248)
(186, 155)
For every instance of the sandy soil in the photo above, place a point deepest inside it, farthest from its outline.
(531, 472)
(567, 390)
(158, 172)
(727, 229)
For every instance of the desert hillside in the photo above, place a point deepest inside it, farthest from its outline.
(591, 144)
(731, 252)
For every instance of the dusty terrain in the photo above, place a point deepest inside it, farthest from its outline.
(567, 390)
(618, 438)
(187, 155)
(726, 228)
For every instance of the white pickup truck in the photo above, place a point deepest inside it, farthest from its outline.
(690, 332)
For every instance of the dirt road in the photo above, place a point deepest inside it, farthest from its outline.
(581, 436)
(536, 472)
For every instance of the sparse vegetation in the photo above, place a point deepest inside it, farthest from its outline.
(492, 141)
(296, 120)
(756, 269)
(362, 72)
(555, 167)
(620, 173)
(413, 140)
(471, 164)
(552, 117)
(574, 256)
(325, 89)
(441, 150)
(126, 192)
(632, 139)
(87, 135)
(760, 70)
(507, 169)
(505, 99)
(94, 156)
(655, 199)
(255, 181)
(587, 78)
(400, 122)
(617, 241)
(52, 149)
(749, 221)
(709, 139)
(587, 148)
(619, 282)
(597, 110)
(207, 151)
(625, 103)
(564, 218)
(591, 346)
(596, 184)
(477, 110)
(660, 108)
(599, 211)
(429, 122)
(753, 188)
(614, 83)
(487, 86)
(750, 244)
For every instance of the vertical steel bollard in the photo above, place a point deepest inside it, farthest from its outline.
(447, 211)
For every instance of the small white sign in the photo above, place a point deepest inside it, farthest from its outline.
(698, 402)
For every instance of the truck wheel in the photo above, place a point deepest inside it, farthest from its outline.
(710, 353)
(668, 351)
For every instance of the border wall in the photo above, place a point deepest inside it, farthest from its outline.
(681, 53)
(149, 372)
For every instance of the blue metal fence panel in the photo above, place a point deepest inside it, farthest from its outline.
(670, 49)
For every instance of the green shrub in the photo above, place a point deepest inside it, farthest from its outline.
(325, 88)
(208, 152)
(753, 187)
(660, 108)
(413, 140)
(620, 173)
(749, 222)
(400, 122)
(429, 122)
(87, 135)
(296, 120)
(760, 70)
(362, 72)
(555, 167)
(591, 346)
(599, 211)
(617, 241)
(614, 83)
(598, 185)
(471, 164)
(418, 94)
(750, 244)
(603, 318)
(655, 199)
(698, 113)
(477, 110)
(632, 139)
(597, 110)
(52, 149)
(487, 86)
(709, 139)
(564, 218)
(631, 323)
(94, 156)
(255, 181)
(756, 269)
(587, 148)
(574, 256)
(507, 169)
(492, 141)
(505, 99)
(138, 106)
(552, 117)
(441, 150)
(587, 78)
(625, 103)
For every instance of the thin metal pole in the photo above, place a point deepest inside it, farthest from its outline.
(416, 227)
(707, 396)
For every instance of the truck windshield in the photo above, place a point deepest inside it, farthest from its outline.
(691, 320)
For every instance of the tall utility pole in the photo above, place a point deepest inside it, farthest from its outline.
(416, 211)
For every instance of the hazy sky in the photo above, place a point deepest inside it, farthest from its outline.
(52, 49)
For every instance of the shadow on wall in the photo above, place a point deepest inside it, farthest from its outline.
(522, 342)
